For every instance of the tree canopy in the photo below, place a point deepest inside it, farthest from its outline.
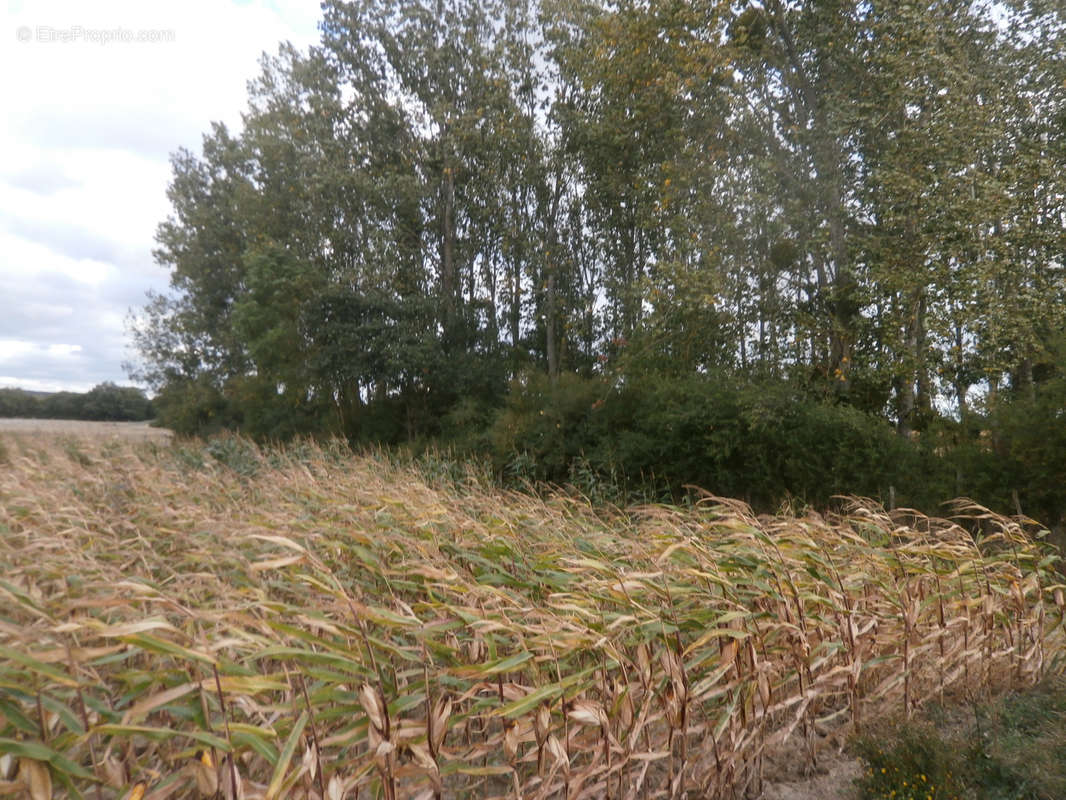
(105, 402)
(441, 201)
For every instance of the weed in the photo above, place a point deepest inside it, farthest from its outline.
(1017, 747)
(913, 764)
(240, 455)
(1009, 748)
(187, 456)
(73, 448)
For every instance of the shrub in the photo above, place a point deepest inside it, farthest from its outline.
(548, 424)
(195, 407)
(238, 454)
(762, 442)
(914, 763)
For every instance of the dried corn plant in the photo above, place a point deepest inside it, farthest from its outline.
(223, 621)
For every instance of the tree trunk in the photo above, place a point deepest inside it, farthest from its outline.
(516, 310)
(924, 398)
(961, 387)
(904, 406)
(549, 324)
(842, 322)
(828, 157)
(449, 277)
(1026, 383)
(904, 381)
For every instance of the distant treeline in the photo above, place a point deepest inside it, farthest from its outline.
(105, 402)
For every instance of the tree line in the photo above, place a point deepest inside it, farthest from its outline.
(449, 219)
(104, 402)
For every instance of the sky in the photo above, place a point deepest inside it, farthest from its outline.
(95, 96)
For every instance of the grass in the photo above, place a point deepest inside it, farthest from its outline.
(1018, 744)
(1007, 747)
(911, 762)
(303, 622)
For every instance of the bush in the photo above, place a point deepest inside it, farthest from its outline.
(266, 413)
(764, 443)
(1024, 453)
(195, 406)
(545, 426)
(913, 764)
(238, 454)
(63, 405)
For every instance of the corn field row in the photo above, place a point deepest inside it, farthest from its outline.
(226, 621)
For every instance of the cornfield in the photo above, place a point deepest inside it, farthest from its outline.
(222, 620)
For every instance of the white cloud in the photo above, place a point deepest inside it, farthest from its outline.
(30, 364)
(87, 131)
(16, 349)
(11, 349)
(26, 258)
(43, 385)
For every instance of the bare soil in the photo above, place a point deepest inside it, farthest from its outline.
(73, 427)
(833, 779)
(789, 775)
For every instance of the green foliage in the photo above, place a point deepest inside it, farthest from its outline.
(104, 402)
(236, 453)
(194, 406)
(914, 764)
(815, 450)
(760, 442)
(546, 425)
(62, 405)
(1018, 745)
(19, 403)
(1028, 439)
(107, 401)
(264, 409)
(714, 243)
(466, 425)
(1010, 748)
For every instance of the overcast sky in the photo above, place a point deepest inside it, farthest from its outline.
(95, 97)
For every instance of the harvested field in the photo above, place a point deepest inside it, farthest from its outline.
(75, 427)
(220, 620)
